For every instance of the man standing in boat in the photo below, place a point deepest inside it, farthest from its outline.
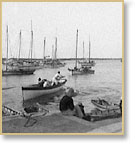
(57, 78)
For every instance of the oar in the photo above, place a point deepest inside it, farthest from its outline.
(87, 93)
(6, 88)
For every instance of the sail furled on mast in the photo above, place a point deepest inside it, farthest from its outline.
(44, 48)
(83, 50)
(20, 39)
(52, 51)
(55, 53)
(76, 47)
(31, 40)
(89, 49)
(7, 49)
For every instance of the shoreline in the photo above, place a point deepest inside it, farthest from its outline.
(64, 59)
(57, 123)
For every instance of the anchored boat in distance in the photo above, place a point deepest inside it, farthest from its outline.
(15, 70)
(85, 62)
(83, 69)
(53, 62)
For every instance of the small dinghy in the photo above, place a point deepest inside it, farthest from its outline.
(103, 104)
(33, 91)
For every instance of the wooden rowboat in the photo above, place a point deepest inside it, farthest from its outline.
(97, 114)
(33, 91)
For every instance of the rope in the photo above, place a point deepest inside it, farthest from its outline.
(29, 118)
(22, 114)
(28, 121)
(8, 88)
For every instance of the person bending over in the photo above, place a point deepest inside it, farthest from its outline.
(67, 106)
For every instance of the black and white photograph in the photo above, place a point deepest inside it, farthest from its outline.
(62, 68)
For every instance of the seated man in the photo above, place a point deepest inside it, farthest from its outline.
(67, 105)
(46, 83)
(40, 82)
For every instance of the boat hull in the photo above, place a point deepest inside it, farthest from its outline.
(79, 72)
(98, 115)
(105, 105)
(54, 66)
(87, 64)
(31, 92)
(19, 72)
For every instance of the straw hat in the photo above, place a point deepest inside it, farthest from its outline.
(70, 92)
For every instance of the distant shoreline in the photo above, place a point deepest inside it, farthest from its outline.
(64, 59)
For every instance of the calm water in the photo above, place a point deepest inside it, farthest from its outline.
(105, 83)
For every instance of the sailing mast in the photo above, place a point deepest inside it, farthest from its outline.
(19, 44)
(76, 47)
(44, 48)
(89, 50)
(55, 48)
(7, 49)
(83, 50)
(31, 40)
(52, 52)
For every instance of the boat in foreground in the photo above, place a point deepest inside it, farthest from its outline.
(98, 115)
(33, 91)
(103, 104)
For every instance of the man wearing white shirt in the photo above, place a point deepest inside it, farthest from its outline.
(57, 78)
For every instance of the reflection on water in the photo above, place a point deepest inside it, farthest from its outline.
(105, 83)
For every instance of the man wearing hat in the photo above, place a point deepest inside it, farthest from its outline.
(67, 105)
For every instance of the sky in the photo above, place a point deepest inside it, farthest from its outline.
(99, 22)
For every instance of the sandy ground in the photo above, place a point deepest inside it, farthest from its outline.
(57, 123)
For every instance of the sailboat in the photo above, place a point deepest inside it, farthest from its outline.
(44, 57)
(81, 70)
(15, 70)
(89, 62)
(29, 63)
(54, 62)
